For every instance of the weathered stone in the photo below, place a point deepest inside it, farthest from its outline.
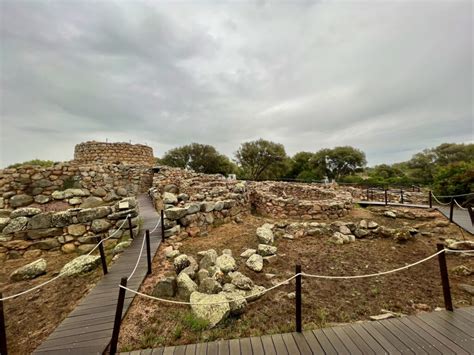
(171, 254)
(202, 274)
(202, 308)
(99, 192)
(181, 262)
(344, 230)
(25, 212)
(193, 208)
(361, 233)
(372, 225)
(207, 206)
(462, 270)
(186, 286)
(175, 213)
(75, 201)
(16, 225)
(226, 263)
(386, 232)
(171, 188)
(3, 222)
(42, 199)
(20, 200)
(210, 285)
(291, 237)
(248, 253)
(44, 233)
(227, 252)
(183, 197)
(76, 230)
(80, 265)
(85, 248)
(170, 198)
(29, 254)
(363, 224)
(266, 250)
(100, 225)
(468, 288)
(208, 258)
(91, 202)
(241, 281)
(402, 235)
(41, 220)
(265, 235)
(237, 303)
(29, 271)
(255, 293)
(120, 247)
(390, 214)
(121, 191)
(172, 231)
(46, 244)
(166, 287)
(255, 263)
(62, 218)
(68, 248)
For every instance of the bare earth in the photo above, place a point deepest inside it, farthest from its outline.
(152, 324)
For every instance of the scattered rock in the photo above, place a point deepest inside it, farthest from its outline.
(215, 313)
(344, 230)
(120, 247)
(265, 235)
(255, 263)
(29, 271)
(241, 281)
(291, 295)
(25, 212)
(186, 286)
(390, 214)
(248, 253)
(382, 316)
(181, 262)
(226, 263)
(266, 250)
(361, 233)
(462, 270)
(468, 288)
(209, 285)
(80, 265)
(170, 198)
(372, 225)
(166, 287)
(208, 258)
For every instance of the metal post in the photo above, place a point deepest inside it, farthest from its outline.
(430, 199)
(3, 330)
(148, 252)
(451, 210)
(102, 254)
(118, 316)
(162, 226)
(367, 194)
(401, 196)
(298, 298)
(386, 198)
(448, 304)
(471, 214)
(130, 226)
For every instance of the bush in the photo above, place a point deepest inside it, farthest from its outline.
(37, 162)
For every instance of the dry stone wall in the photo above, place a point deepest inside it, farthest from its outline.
(28, 229)
(113, 153)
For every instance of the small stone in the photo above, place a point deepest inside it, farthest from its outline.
(186, 286)
(166, 287)
(241, 281)
(76, 230)
(175, 213)
(255, 263)
(291, 295)
(99, 192)
(227, 252)
(248, 253)
(468, 288)
(172, 254)
(344, 230)
(181, 262)
(462, 270)
(68, 248)
(120, 247)
(265, 235)
(29, 271)
(42, 199)
(15, 225)
(121, 191)
(81, 265)
(226, 263)
(100, 225)
(382, 316)
(169, 198)
(372, 225)
(91, 202)
(20, 200)
(25, 212)
(209, 285)
(289, 236)
(390, 214)
(266, 250)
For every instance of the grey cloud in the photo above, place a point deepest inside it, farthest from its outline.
(391, 78)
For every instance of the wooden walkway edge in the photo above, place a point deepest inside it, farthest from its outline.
(440, 332)
(460, 217)
(88, 328)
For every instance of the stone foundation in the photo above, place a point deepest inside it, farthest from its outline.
(113, 153)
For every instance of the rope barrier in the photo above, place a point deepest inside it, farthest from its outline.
(60, 275)
(157, 224)
(138, 259)
(461, 207)
(441, 203)
(461, 195)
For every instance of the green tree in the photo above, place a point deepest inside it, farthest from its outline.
(454, 179)
(38, 162)
(339, 162)
(301, 167)
(262, 159)
(201, 158)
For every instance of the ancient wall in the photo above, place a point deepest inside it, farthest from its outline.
(292, 200)
(28, 185)
(113, 153)
(29, 229)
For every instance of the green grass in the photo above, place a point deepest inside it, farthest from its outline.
(194, 323)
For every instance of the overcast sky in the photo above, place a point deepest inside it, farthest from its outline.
(390, 78)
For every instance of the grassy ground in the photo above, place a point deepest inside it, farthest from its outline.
(152, 324)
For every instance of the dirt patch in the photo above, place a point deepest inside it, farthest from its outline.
(32, 317)
(152, 324)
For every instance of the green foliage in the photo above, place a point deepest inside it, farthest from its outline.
(201, 158)
(339, 162)
(262, 159)
(194, 323)
(37, 162)
(151, 338)
(454, 179)
(300, 167)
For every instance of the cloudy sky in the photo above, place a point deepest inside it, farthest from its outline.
(388, 77)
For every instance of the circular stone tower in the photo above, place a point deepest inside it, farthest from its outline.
(113, 153)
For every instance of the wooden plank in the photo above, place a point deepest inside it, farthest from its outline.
(349, 333)
(157, 351)
(301, 342)
(257, 346)
(169, 350)
(212, 348)
(313, 342)
(279, 344)
(234, 347)
(348, 343)
(468, 310)
(324, 341)
(457, 321)
(335, 341)
(453, 332)
(201, 349)
(466, 316)
(290, 344)
(268, 346)
(146, 352)
(401, 337)
(180, 350)
(224, 347)
(414, 337)
(245, 346)
(375, 340)
(392, 339)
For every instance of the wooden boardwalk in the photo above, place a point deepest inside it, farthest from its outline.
(88, 328)
(441, 332)
(460, 217)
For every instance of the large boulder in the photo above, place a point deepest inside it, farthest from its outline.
(208, 258)
(41, 220)
(248, 253)
(89, 214)
(120, 247)
(255, 263)
(100, 225)
(237, 302)
(210, 285)
(166, 287)
(20, 200)
(193, 208)
(226, 263)
(186, 286)
(201, 305)
(170, 198)
(265, 235)
(175, 213)
(16, 225)
(241, 281)
(80, 265)
(25, 212)
(29, 271)
(91, 202)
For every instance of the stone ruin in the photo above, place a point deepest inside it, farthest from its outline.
(113, 153)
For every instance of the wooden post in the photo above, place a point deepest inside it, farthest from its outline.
(401, 196)
(367, 194)
(162, 215)
(298, 298)
(451, 210)
(130, 226)
(448, 304)
(148, 252)
(102, 254)
(471, 213)
(118, 317)
(386, 198)
(3, 330)
(430, 199)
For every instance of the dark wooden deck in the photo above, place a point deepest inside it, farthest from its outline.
(88, 328)
(460, 217)
(441, 332)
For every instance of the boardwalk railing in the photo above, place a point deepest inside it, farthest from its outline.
(441, 251)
